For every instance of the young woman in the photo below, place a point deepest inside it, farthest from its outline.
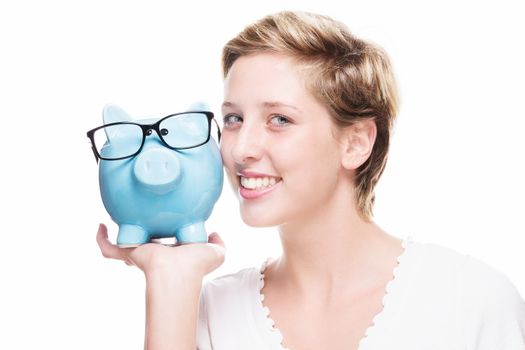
(308, 110)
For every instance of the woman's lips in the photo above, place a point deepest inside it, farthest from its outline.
(252, 187)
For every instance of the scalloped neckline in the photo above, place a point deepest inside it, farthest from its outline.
(371, 329)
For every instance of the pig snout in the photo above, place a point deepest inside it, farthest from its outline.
(157, 170)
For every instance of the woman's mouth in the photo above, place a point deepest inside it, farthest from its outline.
(258, 183)
(255, 187)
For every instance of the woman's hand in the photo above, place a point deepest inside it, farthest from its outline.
(196, 259)
(173, 285)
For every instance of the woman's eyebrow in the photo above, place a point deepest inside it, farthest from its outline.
(228, 104)
(271, 104)
(268, 104)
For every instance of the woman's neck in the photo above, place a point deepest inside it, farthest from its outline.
(333, 252)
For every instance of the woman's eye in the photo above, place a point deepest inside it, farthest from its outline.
(279, 120)
(231, 120)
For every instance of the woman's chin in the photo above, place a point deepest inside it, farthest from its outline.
(257, 220)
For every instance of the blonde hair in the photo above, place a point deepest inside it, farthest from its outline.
(351, 77)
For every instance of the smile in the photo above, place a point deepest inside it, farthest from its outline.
(258, 183)
(258, 186)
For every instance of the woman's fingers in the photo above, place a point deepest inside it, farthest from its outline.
(215, 239)
(216, 242)
(108, 249)
(148, 256)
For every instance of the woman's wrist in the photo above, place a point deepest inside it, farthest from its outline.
(170, 273)
(172, 297)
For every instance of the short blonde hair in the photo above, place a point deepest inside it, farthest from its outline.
(351, 77)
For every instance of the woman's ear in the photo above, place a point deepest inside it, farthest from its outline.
(357, 141)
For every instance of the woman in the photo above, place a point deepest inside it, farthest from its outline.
(308, 111)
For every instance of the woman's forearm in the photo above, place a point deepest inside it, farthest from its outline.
(172, 301)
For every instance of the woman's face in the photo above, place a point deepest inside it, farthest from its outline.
(278, 143)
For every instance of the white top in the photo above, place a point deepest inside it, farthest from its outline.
(438, 299)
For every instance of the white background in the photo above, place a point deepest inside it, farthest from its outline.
(455, 174)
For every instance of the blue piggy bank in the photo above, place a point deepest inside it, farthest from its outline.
(158, 177)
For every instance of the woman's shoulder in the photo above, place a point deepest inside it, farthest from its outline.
(237, 287)
(476, 281)
(476, 300)
(233, 280)
(433, 256)
(226, 306)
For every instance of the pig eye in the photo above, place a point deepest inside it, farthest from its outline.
(149, 132)
(164, 132)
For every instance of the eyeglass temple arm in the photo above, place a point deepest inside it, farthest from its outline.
(218, 130)
(95, 153)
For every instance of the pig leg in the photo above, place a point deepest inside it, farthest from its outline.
(194, 233)
(131, 236)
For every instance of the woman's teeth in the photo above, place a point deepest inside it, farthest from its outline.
(258, 183)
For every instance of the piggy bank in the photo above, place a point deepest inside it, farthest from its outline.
(158, 177)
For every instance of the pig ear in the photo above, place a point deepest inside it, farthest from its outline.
(199, 106)
(113, 114)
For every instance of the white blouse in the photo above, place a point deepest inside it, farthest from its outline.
(438, 299)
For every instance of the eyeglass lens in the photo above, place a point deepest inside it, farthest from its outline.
(185, 130)
(117, 141)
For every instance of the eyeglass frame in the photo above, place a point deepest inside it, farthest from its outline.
(147, 131)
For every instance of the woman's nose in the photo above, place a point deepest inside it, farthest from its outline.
(248, 145)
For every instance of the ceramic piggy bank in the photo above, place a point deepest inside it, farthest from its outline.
(158, 177)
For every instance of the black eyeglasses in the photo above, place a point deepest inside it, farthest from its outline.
(177, 131)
